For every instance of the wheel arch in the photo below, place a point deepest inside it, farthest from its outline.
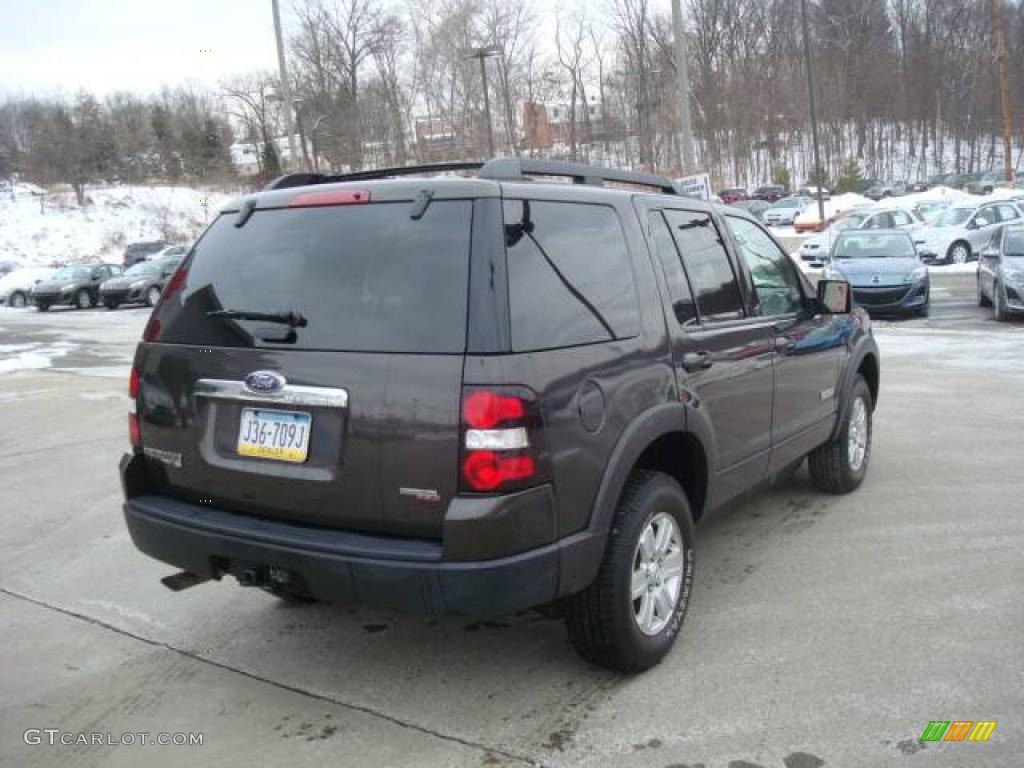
(866, 362)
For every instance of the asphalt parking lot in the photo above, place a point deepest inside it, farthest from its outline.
(823, 631)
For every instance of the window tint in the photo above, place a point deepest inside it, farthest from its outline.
(707, 264)
(678, 284)
(569, 274)
(366, 278)
(776, 284)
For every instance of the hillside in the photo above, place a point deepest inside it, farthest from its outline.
(43, 229)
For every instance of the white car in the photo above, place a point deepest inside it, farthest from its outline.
(958, 234)
(784, 211)
(817, 247)
(15, 286)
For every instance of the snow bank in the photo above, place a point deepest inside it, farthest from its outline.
(834, 206)
(929, 195)
(40, 229)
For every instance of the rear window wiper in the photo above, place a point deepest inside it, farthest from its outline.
(291, 319)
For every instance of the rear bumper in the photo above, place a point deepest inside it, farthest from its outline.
(348, 567)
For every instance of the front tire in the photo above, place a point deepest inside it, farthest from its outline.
(998, 305)
(983, 300)
(43, 307)
(83, 299)
(959, 253)
(17, 299)
(840, 465)
(152, 296)
(628, 618)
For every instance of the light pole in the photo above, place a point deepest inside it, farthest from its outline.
(814, 118)
(286, 91)
(683, 73)
(481, 54)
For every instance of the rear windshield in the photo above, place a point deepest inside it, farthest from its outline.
(365, 278)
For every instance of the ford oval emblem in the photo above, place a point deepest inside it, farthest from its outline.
(265, 382)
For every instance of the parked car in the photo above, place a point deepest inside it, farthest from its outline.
(812, 192)
(958, 233)
(15, 286)
(987, 183)
(733, 195)
(784, 211)
(140, 283)
(927, 210)
(883, 269)
(755, 208)
(1001, 272)
(769, 193)
(816, 248)
(477, 395)
(136, 252)
(78, 286)
(884, 189)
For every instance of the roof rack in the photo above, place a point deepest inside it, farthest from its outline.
(498, 169)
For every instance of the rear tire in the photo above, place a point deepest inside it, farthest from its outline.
(17, 299)
(43, 307)
(626, 620)
(839, 466)
(152, 296)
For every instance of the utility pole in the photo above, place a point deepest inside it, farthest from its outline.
(286, 88)
(482, 54)
(1004, 89)
(683, 72)
(814, 117)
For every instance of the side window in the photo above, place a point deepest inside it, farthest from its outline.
(1007, 213)
(707, 264)
(678, 284)
(901, 219)
(775, 280)
(569, 274)
(986, 215)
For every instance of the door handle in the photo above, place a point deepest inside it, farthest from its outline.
(697, 361)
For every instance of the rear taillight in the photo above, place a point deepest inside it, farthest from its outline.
(501, 440)
(134, 434)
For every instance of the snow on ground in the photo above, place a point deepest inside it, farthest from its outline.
(42, 229)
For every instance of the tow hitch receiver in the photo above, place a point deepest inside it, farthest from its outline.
(182, 580)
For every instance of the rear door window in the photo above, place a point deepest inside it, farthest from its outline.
(366, 278)
(707, 263)
(678, 284)
(569, 273)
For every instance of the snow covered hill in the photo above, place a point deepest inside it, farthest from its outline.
(43, 229)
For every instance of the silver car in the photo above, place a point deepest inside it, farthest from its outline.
(1001, 272)
(958, 234)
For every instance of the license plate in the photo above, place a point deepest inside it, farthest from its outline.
(279, 435)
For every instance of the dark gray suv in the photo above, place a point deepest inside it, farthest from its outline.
(479, 395)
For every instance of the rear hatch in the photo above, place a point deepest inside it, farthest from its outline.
(306, 362)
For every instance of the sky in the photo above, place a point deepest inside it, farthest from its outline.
(56, 47)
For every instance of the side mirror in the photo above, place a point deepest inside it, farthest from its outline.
(834, 296)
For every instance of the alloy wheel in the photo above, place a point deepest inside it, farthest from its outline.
(857, 434)
(657, 573)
